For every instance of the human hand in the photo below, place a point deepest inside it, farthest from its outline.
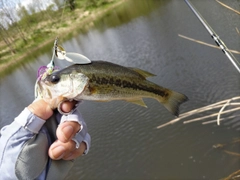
(64, 147)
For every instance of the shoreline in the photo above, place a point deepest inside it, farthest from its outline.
(85, 23)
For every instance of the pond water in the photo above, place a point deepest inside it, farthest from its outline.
(125, 141)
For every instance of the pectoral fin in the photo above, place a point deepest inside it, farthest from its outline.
(138, 102)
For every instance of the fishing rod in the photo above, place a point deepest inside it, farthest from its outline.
(215, 37)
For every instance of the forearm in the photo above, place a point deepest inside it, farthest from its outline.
(12, 139)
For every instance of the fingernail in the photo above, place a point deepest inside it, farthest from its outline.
(58, 152)
(67, 132)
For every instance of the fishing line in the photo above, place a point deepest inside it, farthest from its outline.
(64, 5)
(44, 70)
(51, 64)
(215, 37)
(61, 54)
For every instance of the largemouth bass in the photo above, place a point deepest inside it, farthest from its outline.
(105, 81)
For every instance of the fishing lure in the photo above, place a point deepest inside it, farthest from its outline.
(60, 53)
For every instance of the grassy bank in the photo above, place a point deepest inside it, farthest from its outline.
(43, 33)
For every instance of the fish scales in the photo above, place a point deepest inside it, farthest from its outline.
(128, 83)
(105, 81)
(102, 74)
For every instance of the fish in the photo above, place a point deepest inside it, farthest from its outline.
(105, 81)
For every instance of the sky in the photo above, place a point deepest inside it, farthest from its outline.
(26, 2)
(46, 3)
(13, 6)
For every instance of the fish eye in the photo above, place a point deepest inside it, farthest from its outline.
(54, 78)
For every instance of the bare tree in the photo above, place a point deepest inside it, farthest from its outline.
(41, 7)
(6, 9)
(58, 3)
(71, 4)
(25, 17)
(3, 36)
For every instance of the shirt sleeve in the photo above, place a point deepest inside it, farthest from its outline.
(12, 139)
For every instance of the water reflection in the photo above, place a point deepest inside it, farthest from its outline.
(126, 144)
(127, 12)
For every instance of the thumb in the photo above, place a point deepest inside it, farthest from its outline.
(41, 109)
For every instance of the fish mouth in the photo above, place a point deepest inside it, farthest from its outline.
(39, 89)
(42, 90)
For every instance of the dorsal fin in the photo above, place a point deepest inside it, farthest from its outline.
(142, 72)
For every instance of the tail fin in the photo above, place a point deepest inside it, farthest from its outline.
(173, 102)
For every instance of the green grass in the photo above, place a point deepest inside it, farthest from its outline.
(41, 32)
